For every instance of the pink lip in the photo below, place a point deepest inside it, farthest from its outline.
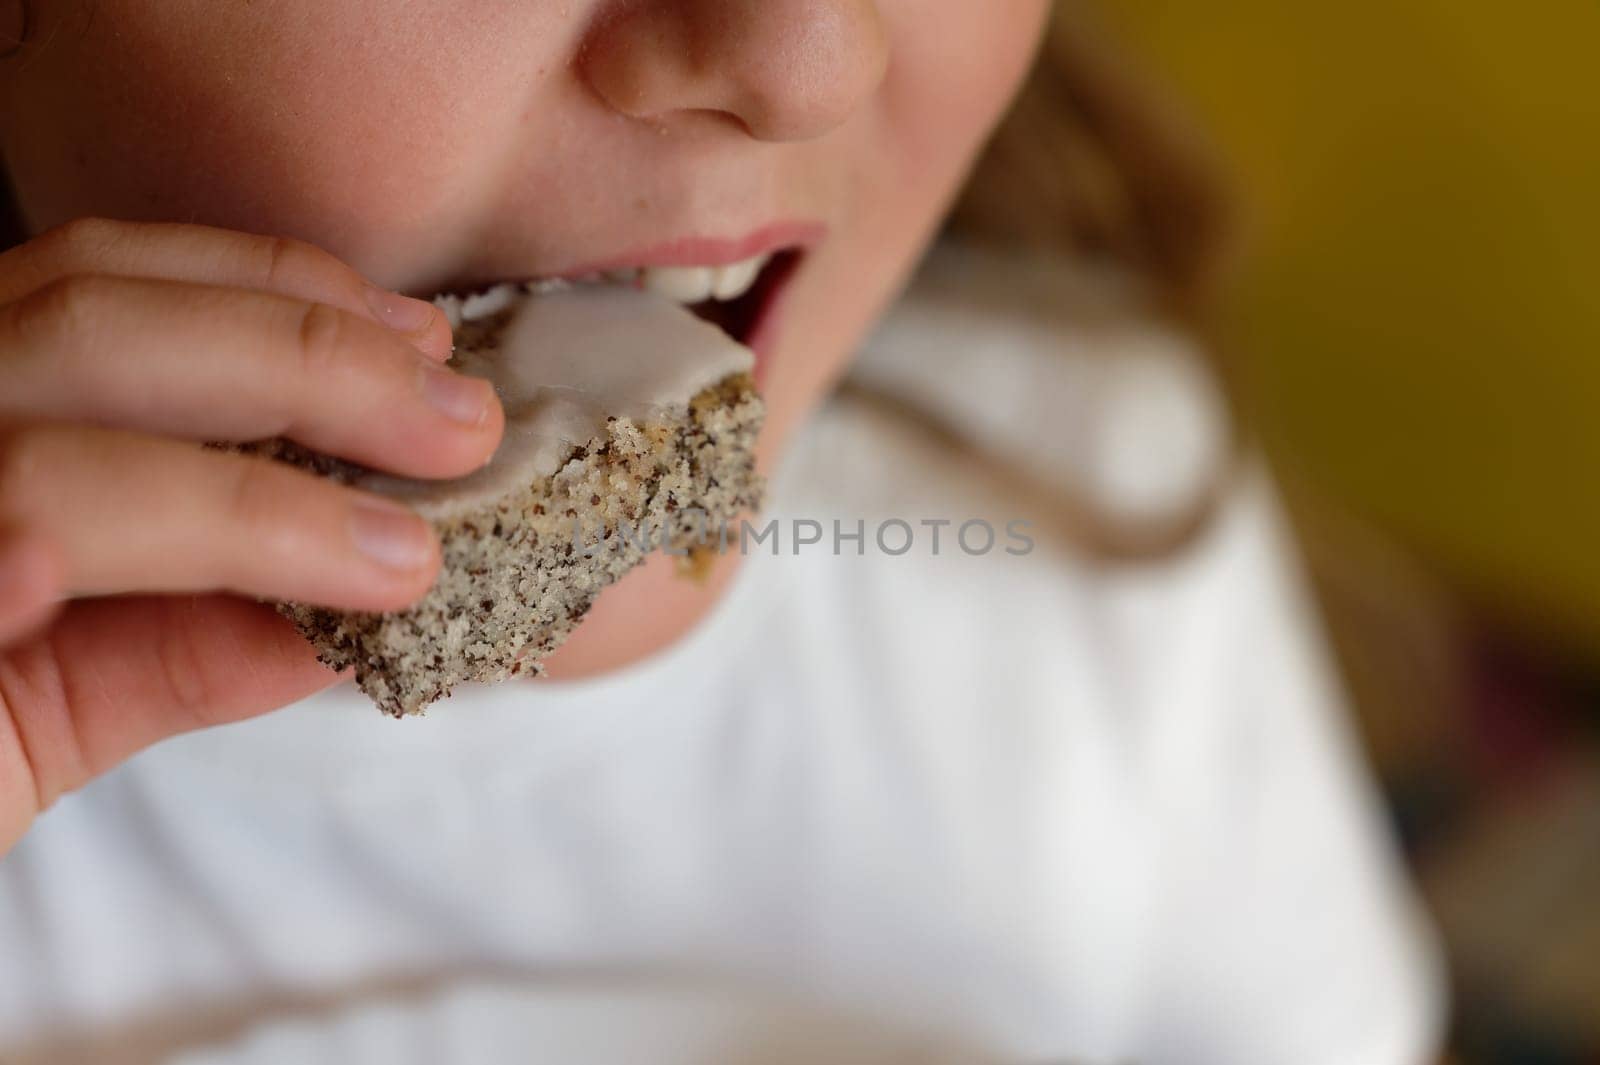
(711, 251)
(793, 236)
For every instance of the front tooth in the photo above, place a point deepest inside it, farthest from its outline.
(488, 303)
(451, 306)
(686, 284)
(735, 280)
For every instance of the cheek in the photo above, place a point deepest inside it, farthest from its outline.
(302, 117)
(954, 68)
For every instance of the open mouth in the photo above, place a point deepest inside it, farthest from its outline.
(738, 298)
(741, 313)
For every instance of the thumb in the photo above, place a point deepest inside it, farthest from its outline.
(112, 676)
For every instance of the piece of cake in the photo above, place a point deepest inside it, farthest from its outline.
(630, 426)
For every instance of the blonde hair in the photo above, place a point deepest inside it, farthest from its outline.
(1092, 160)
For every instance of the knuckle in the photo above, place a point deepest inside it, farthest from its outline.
(296, 266)
(66, 311)
(285, 259)
(262, 503)
(323, 340)
(80, 241)
(24, 462)
(184, 674)
(49, 752)
(254, 492)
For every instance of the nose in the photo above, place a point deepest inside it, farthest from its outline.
(786, 70)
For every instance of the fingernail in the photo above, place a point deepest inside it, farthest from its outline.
(400, 313)
(390, 534)
(458, 397)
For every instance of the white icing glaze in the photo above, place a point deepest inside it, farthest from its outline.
(567, 359)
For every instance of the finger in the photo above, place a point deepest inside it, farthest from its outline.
(116, 675)
(132, 513)
(217, 363)
(224, 257)
(31, 583)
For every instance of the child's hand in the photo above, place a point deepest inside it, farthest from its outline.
(122, 347)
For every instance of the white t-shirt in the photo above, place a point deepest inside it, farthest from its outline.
(1013, 807)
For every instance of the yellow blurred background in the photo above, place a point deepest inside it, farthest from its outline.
(1415, 314)
(1417, 340)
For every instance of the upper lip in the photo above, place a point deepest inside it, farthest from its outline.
(686, 251)
(707, 251)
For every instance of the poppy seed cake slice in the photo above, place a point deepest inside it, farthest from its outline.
(630, 425)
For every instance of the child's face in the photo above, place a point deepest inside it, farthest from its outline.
(445, 143)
